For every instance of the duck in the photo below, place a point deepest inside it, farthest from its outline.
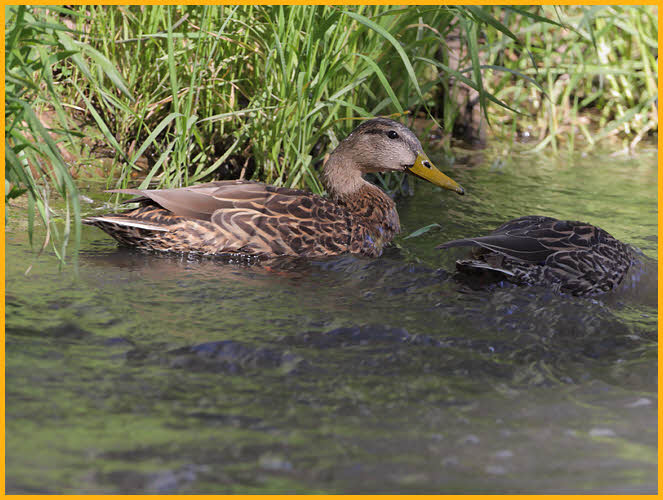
(243, 217)
(568, 256)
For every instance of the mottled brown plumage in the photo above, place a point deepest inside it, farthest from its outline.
(570, 256)
(257, 219)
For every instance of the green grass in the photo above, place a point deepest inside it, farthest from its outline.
(259, 90)
(598, 70)
(184, 94)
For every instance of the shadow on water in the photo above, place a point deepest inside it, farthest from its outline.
(176, 374)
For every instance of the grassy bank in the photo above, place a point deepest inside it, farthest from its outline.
(178, 95)
(599, 71)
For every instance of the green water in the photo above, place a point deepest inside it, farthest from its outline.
(152, 374)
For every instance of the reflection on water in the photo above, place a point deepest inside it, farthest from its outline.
(172, 374)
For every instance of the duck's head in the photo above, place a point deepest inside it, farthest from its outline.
(382, 145)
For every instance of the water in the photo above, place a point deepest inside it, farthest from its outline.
(155, 374)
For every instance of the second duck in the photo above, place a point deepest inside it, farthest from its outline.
(568, 256)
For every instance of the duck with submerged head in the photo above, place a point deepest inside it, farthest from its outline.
(251, 218)
(568, 256)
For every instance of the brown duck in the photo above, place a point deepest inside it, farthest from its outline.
(252, 218)
(569, 256)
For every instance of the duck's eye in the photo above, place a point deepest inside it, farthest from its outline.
(392, 134)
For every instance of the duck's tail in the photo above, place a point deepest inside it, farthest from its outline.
(119, 220)
(129, 230)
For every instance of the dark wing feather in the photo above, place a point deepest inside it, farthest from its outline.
(526, 223)
(523, 239)
(534, 238)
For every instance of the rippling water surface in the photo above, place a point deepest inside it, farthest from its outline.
(153, 374)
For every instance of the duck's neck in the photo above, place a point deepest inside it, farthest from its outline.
(340, 179)
(372, 206)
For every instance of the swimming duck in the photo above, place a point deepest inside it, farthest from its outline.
(251, 218)
(569, 256)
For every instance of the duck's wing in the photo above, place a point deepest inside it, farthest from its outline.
(233, 216)
(533, 239)
(202, 200)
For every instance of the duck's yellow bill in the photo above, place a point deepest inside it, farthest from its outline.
(425, 169)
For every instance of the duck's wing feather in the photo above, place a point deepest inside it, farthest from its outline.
(533, 239)
(202, 200)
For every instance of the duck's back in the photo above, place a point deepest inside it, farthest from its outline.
(231, 217)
